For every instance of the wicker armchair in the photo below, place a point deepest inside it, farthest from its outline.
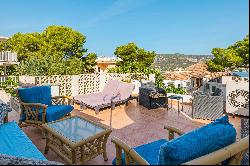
(38, 113)
(233, 152)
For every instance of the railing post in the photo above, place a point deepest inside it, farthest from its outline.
(75, 85)
(102, 81)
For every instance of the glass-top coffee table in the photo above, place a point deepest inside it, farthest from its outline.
(76, 139)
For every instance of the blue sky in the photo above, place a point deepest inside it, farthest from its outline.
(164, 26)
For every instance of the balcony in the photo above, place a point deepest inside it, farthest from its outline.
(8, 58)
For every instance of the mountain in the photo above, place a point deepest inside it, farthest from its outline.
(171, 62)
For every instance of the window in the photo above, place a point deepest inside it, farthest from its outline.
(207, 86)
(99, 69)
(179, 85)
(213, 88)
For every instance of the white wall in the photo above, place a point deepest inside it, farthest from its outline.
(183, 83)
(237, 94)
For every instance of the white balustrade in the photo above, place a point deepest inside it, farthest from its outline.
(77, 84)
(7, 56)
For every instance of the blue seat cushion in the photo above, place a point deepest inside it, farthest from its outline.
(53, 112)
(36, 94)
(14, 142)
(148, 151)
(197, 143)
(56, 112)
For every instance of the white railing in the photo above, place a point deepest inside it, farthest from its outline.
(7, 56)
(3, 80)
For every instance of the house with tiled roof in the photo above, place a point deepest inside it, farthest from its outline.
(104, 63)
(192, 77)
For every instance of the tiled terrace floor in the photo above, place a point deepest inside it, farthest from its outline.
(133, 124)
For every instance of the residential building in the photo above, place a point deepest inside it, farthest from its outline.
(7, 58)
(105, 63)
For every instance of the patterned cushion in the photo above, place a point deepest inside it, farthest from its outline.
(148, 151)
(36, 94)
(13, 160)
(197, 143)
(53, 112)
(4, 109)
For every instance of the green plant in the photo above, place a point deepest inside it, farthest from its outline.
(132, 59)
(136, 60)
(9, 82)
(172, 89)
(58, 50)
(9, 86)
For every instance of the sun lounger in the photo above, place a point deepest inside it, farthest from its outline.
(114, 92)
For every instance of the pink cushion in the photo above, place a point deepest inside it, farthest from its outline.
(121, 90)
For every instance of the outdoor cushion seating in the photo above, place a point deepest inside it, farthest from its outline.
(15, 147)
(14, 142)
(211, 144)
(38, 107)
(151, 96)
(149, 151)
(117, 91)
(53, 112)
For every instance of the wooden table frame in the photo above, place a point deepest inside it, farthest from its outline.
(80, 152)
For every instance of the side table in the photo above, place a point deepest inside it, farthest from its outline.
(178, 98)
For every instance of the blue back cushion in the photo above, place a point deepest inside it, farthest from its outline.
(36, 94)
(197, 143)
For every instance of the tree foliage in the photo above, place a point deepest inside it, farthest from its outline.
(57, 50)
(133, 59)
(235, 56)
(136, 60)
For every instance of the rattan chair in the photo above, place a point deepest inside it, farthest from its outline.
(35, 114)
(233, 152)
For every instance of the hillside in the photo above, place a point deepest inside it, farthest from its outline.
(171, 62)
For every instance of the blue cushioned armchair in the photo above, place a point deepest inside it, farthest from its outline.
(39, 107)
(211, 144)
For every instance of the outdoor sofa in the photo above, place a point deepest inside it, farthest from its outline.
(211, 144)
(115, 92)
(15, 147)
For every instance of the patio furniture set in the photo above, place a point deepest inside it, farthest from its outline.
(78, 140)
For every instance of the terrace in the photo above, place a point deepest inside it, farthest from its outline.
(134, 124)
